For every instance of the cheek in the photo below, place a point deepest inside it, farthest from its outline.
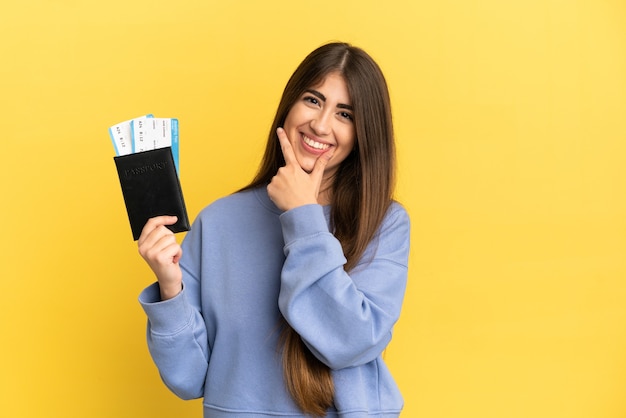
(350, 140)
(344, 151)
(289, 119)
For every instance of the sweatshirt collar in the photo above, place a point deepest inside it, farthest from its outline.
(266, 202)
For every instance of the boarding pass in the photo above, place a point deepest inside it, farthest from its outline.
(145, 133)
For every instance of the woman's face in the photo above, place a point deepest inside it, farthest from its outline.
(320, 120)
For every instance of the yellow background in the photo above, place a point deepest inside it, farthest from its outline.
(511, 129)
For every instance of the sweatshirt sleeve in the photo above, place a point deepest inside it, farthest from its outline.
(346, 319)
(177, 337)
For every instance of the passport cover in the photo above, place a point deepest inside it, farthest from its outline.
(151, 188)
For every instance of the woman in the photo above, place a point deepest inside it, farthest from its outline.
(284, 295)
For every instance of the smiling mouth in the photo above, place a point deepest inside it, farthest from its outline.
(314, 144)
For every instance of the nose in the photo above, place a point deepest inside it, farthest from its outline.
(321, 123)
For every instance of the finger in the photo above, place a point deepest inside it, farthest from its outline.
(153, 242)
(160, 248)
(153, 231)
(178, 254)
(154, 223)
(166, 250)
(320, 165)
(285, 146)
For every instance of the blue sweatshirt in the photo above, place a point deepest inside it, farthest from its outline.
(244, 263)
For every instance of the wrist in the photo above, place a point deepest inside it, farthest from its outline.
(170, 291)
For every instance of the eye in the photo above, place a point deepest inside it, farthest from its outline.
(311, 99)
(347, 116)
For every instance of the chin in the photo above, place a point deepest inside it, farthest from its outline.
(306, 165)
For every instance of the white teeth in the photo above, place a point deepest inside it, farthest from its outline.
(315, 144)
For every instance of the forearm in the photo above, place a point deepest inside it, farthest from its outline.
(177, 341)
(345, 319)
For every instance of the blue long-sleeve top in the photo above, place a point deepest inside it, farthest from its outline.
(245, 263)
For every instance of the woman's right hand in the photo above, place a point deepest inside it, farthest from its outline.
(158, 246)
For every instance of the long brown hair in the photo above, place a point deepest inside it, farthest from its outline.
(362, 189)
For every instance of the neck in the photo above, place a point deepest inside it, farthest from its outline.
(323, 199)
(324, 196)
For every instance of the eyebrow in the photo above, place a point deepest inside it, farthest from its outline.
(323, 98)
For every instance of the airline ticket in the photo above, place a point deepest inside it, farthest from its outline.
(145, 133)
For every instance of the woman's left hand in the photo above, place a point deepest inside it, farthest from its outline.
(292, 186)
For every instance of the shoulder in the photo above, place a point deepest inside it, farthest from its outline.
(391, 241)
(226, 214)
(396, 215)
(241, 201)
(397, 208)
(395, 228)
(238, 208)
